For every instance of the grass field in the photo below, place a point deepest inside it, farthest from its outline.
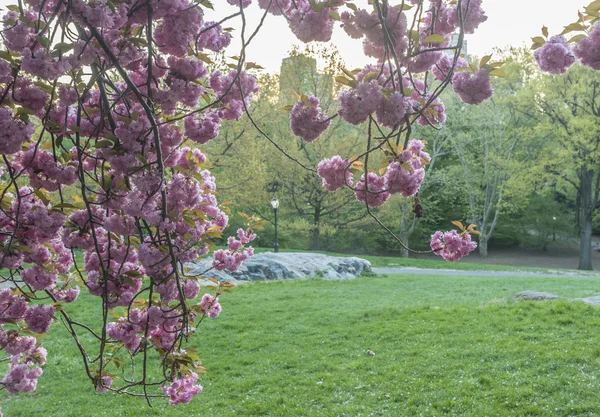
(444, 346)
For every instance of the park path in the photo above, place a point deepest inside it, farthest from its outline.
(456, 272)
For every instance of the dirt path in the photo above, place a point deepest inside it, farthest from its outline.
(424, 271)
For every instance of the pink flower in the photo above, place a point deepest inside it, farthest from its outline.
(376, 194)
(12, 307)
(587, 49)
(391, 111)
(38, 278)
(334, 173)
(403, 181)
(13, 132)
(210, 305)
(203, 129)
(182, 389)
(442, 68)
(43, 65)
(39, 317)
(451, 245)
(214, 38)
(473, 88)
(178, 30)
(21, 378)
(277, 7)
(555, 56)
(125, 332)
(358, 103)
(472, 14)
(307, 120)
(309, 25)
(104, 384)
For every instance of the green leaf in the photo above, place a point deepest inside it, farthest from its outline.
(576, 38)
(435, 38)
(545, 31)
(63, 47)
(45, 42)
(346, 81)
(573, 27)
(42, 196)
(538, 39)
(370, 76)
(484, 60)
(253, 65)
(207, 4)
(103, 144)
(6, 56)
(334, 15)
(498, 73)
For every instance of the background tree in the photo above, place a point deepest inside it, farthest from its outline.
(570, 104)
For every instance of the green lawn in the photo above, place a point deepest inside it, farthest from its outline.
(444, 346)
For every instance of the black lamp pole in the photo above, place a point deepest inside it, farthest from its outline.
(275, 205)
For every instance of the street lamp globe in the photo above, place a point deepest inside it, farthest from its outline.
(275, 205)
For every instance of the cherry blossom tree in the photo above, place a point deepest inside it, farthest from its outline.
(100, 103)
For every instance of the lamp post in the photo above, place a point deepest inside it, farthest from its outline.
(275, 205)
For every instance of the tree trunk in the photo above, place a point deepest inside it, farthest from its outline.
(483, 247)
(586, 221)
(404, 251)
(316, 233)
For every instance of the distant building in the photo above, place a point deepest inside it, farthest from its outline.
(454, 42)
(299, 74)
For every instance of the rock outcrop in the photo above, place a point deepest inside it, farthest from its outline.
(269, 266)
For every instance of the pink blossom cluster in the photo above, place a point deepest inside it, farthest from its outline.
(14, 132)
(232, 257)
(375, 193)
(307, 120)
(473, 88)
(44, 171)
(308, 24)
(25, 354)
(451, 245)
(443, 68)
(210, 305)
(335, 173)
(406, 175)
(183, 389)
(587, 49)
(161, 326)
(555, 56)
(235, 90)
(358, 103)
(366, 25)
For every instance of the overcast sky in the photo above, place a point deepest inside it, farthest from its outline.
(510, 22)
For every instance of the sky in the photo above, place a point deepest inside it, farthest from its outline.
(510, 22)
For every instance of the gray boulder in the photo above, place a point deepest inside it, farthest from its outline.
(269, 266)
(535, 296)
(540, 296)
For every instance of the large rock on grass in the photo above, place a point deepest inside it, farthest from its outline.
(541, 296)
(269, 266)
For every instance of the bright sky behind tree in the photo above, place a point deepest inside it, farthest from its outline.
(510, 22)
